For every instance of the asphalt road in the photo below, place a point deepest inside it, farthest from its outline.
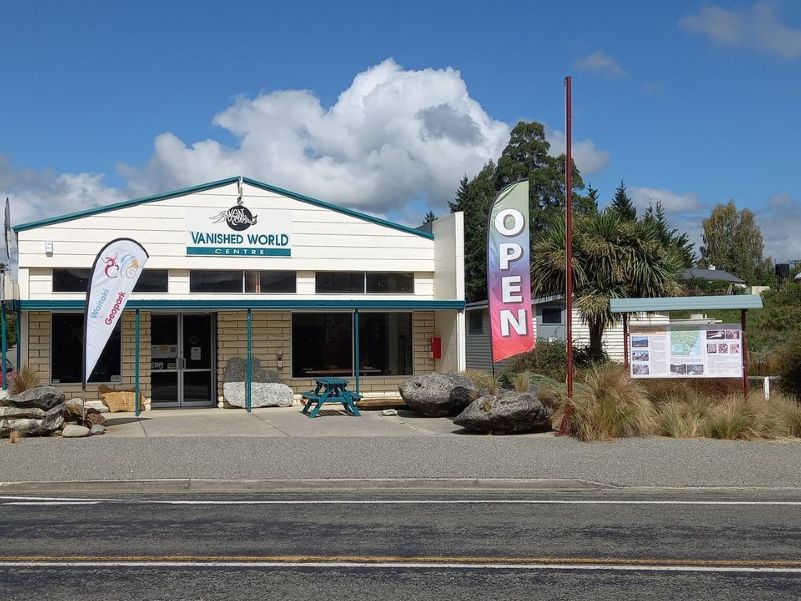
(601, 544)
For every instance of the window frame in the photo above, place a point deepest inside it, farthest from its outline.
(365, 276)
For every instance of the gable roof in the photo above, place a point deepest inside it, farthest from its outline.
(710, 275)
(223, 182)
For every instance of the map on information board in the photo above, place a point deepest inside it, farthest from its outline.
(681, 351)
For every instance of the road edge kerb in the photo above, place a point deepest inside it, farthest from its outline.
(200, 485)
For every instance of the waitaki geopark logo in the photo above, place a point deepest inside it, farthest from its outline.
(238, 218)
(127, 266)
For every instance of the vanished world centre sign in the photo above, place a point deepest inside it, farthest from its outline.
(238, 232)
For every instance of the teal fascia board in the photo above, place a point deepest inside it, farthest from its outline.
(223, 182)
(228, 304)
(685, 303)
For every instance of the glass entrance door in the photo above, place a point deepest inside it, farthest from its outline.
(181, 373)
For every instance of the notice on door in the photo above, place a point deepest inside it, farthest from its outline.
(194, 354)
(698, 351)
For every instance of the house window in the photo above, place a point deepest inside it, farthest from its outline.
(399, 283)
(250, 282)
(476, 321)
(322, 344)
(215, 281)
(77, 280)
(337, 282)
(385, 344)
(552, 315)
(359, 282)
(270, 282)
(66, 343)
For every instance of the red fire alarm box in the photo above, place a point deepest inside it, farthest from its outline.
(435, 346)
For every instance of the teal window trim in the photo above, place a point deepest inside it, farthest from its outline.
(227, 304)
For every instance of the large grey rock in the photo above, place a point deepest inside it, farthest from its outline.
(21, 413)
(24, 426)
(236, 370)
(437, 395)
(262, 394)
(506, 413)
(41, 397)
(74, 431)
(97, 429)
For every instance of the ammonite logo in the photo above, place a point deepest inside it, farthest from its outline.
(238, 218)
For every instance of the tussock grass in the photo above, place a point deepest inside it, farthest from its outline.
(481, 379)
(24, 379)
(608, 404)
(522, 381)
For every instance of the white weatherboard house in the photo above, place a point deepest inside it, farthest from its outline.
(328, 291)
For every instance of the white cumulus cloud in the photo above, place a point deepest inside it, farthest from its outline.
(757, 27)
(672, 202)
(780, 222)
(586, 155)
(600, 62)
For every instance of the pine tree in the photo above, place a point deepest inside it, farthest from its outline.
(622, 205)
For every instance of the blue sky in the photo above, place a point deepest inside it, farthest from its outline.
(690, 103)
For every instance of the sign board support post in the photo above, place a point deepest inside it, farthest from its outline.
(19, 338)
(626, 341)
(248, 383)
(744, 353)
(356, 358)
(137, 404)
(4, 334)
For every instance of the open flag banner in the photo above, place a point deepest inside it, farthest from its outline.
(508, 273)
(114, 274)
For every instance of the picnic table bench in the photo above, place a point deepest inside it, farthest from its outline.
(330, 390)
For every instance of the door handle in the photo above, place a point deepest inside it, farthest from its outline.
(181, 363)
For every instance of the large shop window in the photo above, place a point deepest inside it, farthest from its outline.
(66, 343)
(77, 280)
(251, 282)
(359, 282)
(322, 344)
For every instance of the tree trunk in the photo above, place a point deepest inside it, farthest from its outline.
(596, 339)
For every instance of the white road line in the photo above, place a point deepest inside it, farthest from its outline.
(399, 565)
(49, 503)
(32, 498)
(462, 502)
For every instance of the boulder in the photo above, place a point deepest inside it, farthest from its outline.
(236, 370)
(97, 429)
(97, 406)
(262, 394)
(74, 431)
(40, 397)
(24, 426)
(507, 413)
(93, 417)
(119, 400)
(437, 395)
(21, 413)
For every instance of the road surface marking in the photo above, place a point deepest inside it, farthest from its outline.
(383, 562)
(49, 503)
(460, 502)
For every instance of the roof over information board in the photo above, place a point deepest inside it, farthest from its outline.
(686, 303)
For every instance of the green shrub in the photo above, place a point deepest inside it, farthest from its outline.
(607, 404)
(550, 359)
(789, 366)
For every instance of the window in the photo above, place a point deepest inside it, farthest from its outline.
(339, 281)
(70, 280)
(552, 314)
(359, 282)
(385, 344)
(215, 281)
(322, 344)
(152, 280)
(270, 282)
(476, 321)
(251, 282)
(66, 342)
(77, 280)
(390, 282)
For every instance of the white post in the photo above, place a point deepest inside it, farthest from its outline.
(766, 387)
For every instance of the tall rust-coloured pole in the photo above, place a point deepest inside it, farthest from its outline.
(569, 230)
(743, 342)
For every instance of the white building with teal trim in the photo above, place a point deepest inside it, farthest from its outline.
(238, 267)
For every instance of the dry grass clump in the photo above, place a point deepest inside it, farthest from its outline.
(522, 381)
(679, 420)
(24, 379)
(608, 404)
(480, 379)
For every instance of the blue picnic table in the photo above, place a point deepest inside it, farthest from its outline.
(330, 390)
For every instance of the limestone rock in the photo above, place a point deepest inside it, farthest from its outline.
(40, 397)
(119, 400)
(97, 429)
(236, 370)
(507, 413)
(97, 406)
(74, 431)
(262, 394)
(437, 395)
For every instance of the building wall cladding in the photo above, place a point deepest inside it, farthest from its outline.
(272, 330)
(39, 352)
